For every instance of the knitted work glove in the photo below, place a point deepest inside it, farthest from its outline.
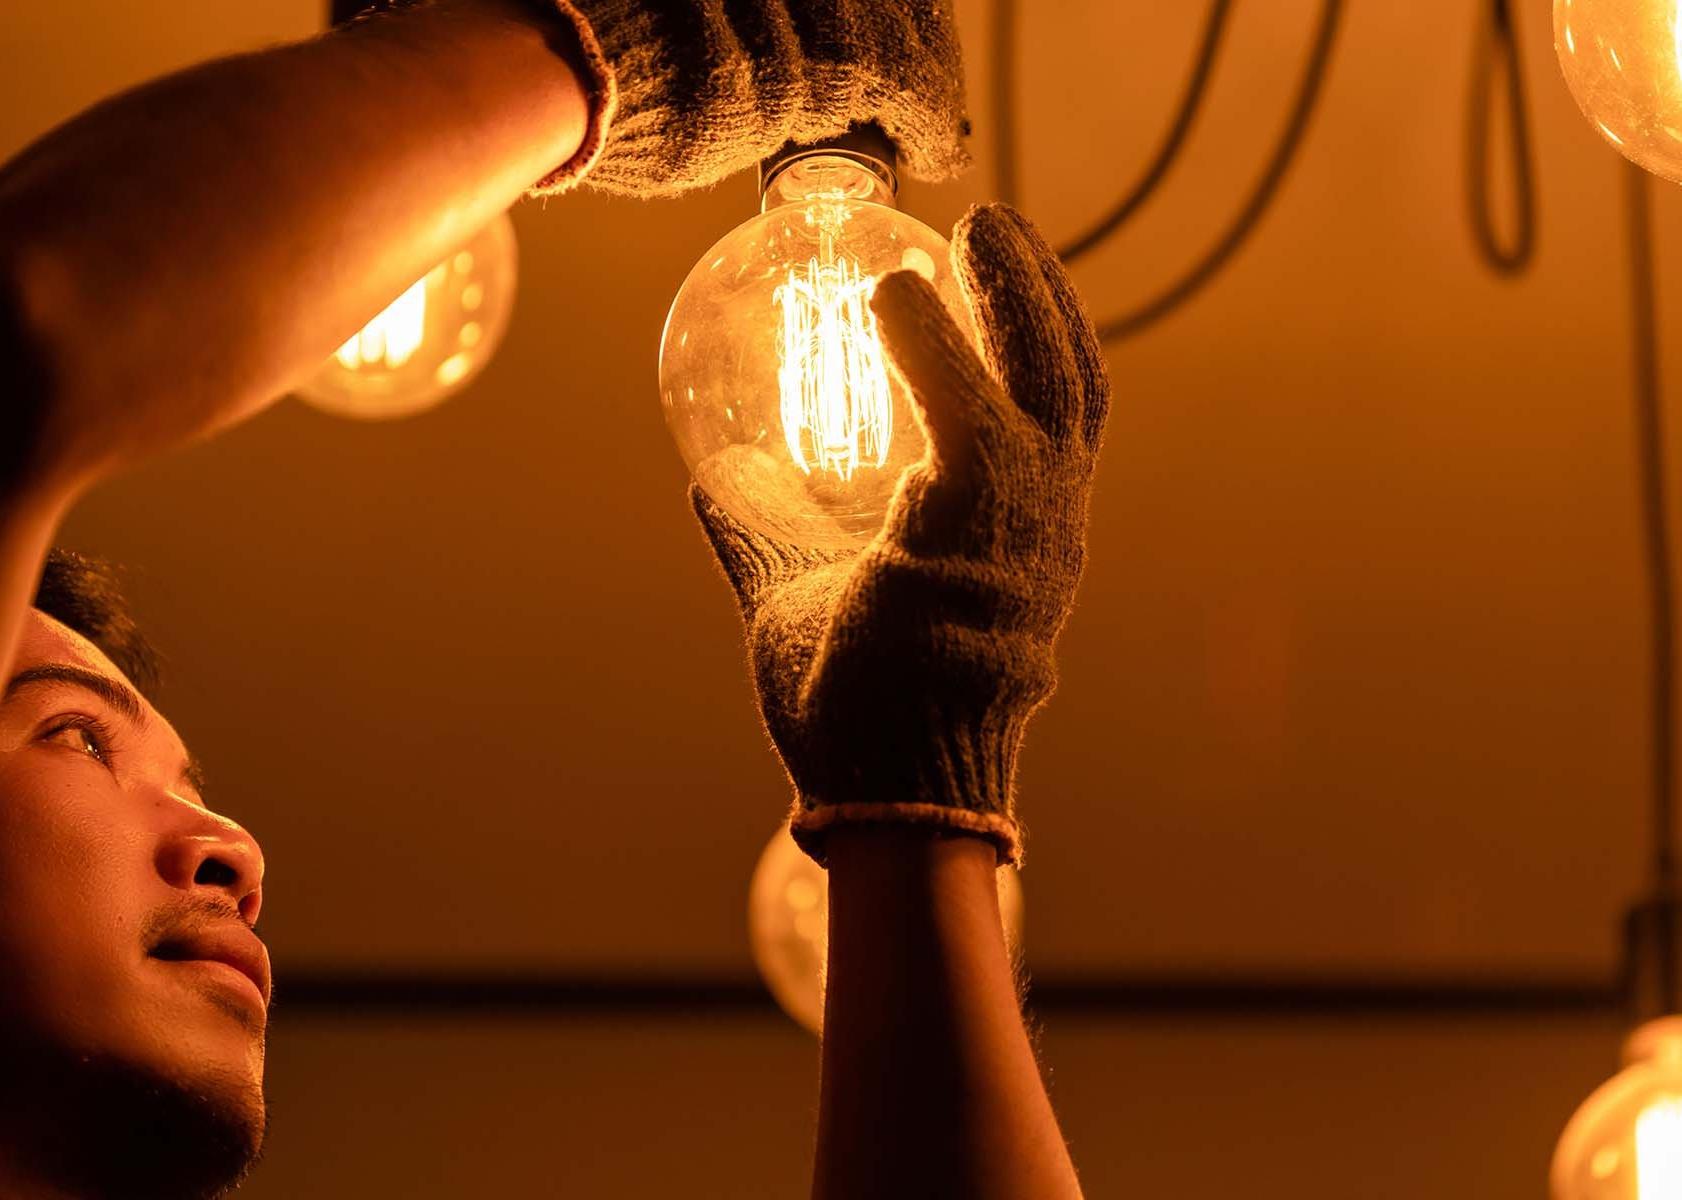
(685, 92)
(896, 681)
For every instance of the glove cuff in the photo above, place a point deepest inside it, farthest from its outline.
(602, 88)
(966, 785)
(810, 825)
(684, 94)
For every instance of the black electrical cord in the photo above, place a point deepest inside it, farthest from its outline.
(1197, 87)
(1497, 49)
(1655, 525)
(1261, 196)
(1007, 167)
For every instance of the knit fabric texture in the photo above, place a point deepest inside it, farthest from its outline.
(896, 682)
(686, 92)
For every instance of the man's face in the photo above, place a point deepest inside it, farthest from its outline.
(126, 905)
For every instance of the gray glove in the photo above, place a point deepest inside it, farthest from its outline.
(897, 681)
(685, 92)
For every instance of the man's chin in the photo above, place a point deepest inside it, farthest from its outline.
(140, 1133)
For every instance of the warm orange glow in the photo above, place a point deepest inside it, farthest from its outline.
(1625, 1141)
(391, 338)
(837, 409)
(1675, 42)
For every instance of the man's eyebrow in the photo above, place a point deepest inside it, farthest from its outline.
(118, 696)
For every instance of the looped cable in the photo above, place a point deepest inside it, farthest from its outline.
(1261, 196)
(1197, 87)
(1497, 49)
(1008, 182)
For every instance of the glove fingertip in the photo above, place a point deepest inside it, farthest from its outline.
(902, 298)
(993, 223)
(1038, 338)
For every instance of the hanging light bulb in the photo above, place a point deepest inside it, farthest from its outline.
(772, 373)
(1625, 1142)
(430, 341)
(1622, 60)
(788, 925)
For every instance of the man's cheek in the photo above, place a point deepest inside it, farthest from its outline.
(74, 830)
(71, 898)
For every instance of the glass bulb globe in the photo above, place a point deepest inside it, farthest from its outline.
(431, 340)
(788, 925)
(1625, 1142)
(1622, 60)
(772, 373)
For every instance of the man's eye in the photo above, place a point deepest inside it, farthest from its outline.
(80, 737)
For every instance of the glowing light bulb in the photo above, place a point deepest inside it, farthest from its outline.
(774, 381)
(788, 925)
(1625, 1142)
(1622, 60)
(430, 341)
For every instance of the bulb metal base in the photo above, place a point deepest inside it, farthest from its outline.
(864, 144)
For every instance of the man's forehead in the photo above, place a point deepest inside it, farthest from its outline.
(48, 641)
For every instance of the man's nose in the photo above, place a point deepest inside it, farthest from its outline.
(211, 852)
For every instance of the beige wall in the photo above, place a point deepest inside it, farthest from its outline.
(1355, 683)
(723, 1109)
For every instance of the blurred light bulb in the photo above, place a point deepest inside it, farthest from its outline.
(772, 372)
(1625, 1142)
(431, 340)
(788, 925)
(1622, 60)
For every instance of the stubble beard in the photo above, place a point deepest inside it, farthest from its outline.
(102, 1129)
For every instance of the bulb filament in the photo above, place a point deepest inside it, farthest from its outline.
(837, 409)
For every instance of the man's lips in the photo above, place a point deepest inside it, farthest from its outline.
(231, 944)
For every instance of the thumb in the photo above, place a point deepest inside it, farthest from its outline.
(934, 356)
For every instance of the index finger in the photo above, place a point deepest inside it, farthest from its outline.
(1014, 282)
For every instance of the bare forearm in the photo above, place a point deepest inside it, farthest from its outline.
(216, 233)
(930, 1088)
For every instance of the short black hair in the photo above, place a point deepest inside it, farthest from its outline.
(86, 595)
